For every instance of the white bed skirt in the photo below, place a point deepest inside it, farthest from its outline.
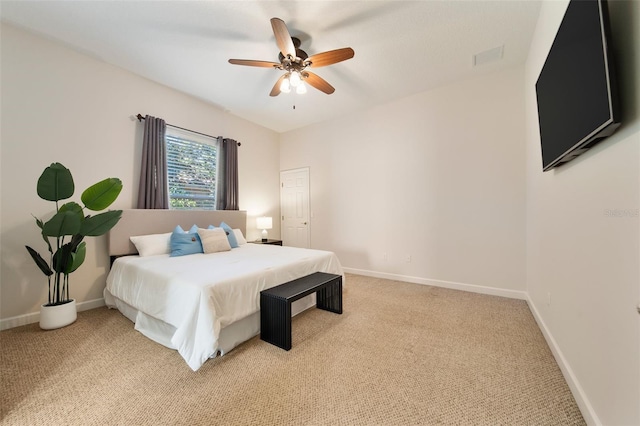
(230, 336)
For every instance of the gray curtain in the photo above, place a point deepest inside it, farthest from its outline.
(153, 192)
(231, 174)
(220, 187)
(227, 188)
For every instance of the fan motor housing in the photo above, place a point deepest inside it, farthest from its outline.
(299, 52)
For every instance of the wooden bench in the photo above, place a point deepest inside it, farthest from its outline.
(275, 304)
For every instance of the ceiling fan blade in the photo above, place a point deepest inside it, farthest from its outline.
(276, 87)
(317, 82)
(331, 57)
(252, 63)
(283, 38)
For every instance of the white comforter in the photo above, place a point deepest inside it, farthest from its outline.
(201, 293)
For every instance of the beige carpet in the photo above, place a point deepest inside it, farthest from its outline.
(401, 354)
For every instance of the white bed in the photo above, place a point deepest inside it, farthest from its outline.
(201, 304)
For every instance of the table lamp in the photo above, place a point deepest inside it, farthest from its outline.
(264, 223)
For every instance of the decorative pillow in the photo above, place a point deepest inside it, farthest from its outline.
(192, 230)
(231, 236)
(214, 240)
(185, 243)
(151, 245)
(239, 237)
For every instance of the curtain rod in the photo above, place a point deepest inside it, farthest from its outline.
(140, 118)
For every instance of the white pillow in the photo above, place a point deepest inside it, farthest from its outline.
(151, 245)
(239, 237)
(214, 240)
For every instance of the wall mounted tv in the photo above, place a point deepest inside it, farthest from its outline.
(576, 90)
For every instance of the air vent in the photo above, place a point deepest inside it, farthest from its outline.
(487, 56)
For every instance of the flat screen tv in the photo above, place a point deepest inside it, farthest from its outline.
(576, 90)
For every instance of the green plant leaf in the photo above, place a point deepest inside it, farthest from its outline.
(55, 183)
(73, 207)
(61, 224)
(44, 237)
(77, 257)
(38, 222)
(42, 264)
(100, 195)
(100, 224)
(62, 259)
(75, 241)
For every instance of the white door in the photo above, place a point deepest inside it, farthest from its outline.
(294, 207)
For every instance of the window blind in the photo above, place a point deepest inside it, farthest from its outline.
(191, 170)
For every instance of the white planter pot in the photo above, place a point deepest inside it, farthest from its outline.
(52, 317)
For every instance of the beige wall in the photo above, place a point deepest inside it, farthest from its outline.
(585, 260)
(438, 176)
(59, 105)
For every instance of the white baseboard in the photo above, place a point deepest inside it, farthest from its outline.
(12, 322)
(589, 414)
(493, 291)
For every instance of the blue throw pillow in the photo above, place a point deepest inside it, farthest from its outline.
(231, 236)
(185, 243)
(193, 230)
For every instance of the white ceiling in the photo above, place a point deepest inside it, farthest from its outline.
(401, 47)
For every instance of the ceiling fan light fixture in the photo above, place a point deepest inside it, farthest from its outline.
(285, 86)
(294, 79)
(301, 89)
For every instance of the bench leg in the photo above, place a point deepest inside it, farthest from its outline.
(275, 321)
(329, 297)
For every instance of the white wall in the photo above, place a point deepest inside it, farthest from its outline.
(585, 258)
(59, 105)
(438, 176)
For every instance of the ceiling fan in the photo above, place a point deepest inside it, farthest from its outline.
(295, 62)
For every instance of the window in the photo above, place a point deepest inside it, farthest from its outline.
(191, 170)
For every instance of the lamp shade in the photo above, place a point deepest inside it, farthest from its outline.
(264, 222)
(294, 79)
(285, 86)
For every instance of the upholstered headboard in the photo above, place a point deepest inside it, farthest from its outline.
(145, 222)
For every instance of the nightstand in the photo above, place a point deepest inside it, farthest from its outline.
(269, 241)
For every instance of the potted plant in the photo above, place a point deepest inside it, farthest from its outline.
(64, 234)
